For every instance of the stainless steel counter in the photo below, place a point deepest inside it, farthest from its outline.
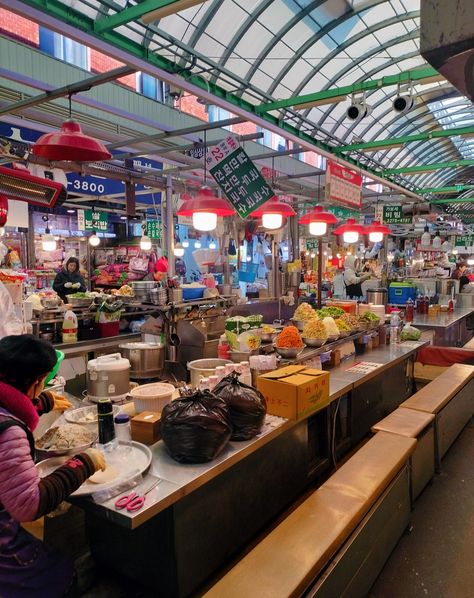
(444, 319)
(180, 480)
(97, 344)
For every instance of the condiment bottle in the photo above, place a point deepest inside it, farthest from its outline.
(70, 326)
(409, 312)
(123, 431)
(394, 328)
(105, 416)
(223, 348)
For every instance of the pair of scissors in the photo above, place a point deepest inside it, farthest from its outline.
(134, 502)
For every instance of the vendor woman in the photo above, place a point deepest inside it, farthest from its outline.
(353, 282)
(27, 567)
(69, 280)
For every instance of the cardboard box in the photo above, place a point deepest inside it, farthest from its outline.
(145, 427)
(295, 391)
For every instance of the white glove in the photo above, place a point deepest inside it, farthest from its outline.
(76, 285)
(68, 285)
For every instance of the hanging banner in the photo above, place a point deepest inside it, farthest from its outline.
(393, 214)
(343, 185)
(92, 220)
(237, 176)
(154, 229)
(343, 213)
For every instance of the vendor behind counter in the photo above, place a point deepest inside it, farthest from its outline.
(69, 280)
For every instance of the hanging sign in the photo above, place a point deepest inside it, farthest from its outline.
(312, 244)
(154, 229)
(464, 241)
(343, 185)
(92, 220)
(393, 214)
(237, 176)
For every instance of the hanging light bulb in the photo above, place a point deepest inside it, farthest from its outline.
(48, 242)
(313, 255)
(94, 240)
(426, 237)
(318, 221)
(437, 241)
(350, 231)
(145, 241)
(197, 244)
(377, 231)
(204, 209)
(306, 253)
(178, 250)
(212, 245)
(2, 231)
(185, 243)
(272, 213)
(455, 251)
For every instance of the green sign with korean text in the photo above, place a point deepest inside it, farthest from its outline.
(395, 215)
(464, 241)
(92, 220)
(312, 244)
(154, 229)
(237, 176)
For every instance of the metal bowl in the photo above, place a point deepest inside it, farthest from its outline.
(80, 302)
(314, 342)
(290, 353)
(50, 302)
(65, 451)
(269, 337)
(300, 324)
(344, 333)
(333, 337)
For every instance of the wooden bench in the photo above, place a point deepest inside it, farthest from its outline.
(338, 539)
(419, 425)
(469, 344)
(451, 399)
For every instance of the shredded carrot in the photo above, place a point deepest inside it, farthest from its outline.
(289, 338)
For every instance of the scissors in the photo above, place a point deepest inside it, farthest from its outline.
(133, 501)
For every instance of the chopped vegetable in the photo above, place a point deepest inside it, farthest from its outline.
(304, 312)
(266, 329)
(315, 329)
(342, 325)
(289, 338)
(369, 316)
(331, 327)
(351, 320)
(330, 312)
(410, 333)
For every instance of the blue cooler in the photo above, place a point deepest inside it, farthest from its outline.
(400, 292)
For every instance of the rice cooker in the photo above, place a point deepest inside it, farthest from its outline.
(108, 377)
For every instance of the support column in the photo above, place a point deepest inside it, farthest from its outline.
(320, 271)
(169, 225)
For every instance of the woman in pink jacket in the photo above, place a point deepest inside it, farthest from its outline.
(27, 567)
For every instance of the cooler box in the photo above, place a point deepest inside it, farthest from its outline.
(400, 292)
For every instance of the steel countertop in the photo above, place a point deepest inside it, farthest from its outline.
(444, 319)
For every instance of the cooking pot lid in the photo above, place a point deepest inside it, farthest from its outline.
(141, 345)
(109, 363)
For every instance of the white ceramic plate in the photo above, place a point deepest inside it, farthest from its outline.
(139, 458)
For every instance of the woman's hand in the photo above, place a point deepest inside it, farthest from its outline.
(60, 403)
(97, 458)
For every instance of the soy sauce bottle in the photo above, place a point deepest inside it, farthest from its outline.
(105, 415)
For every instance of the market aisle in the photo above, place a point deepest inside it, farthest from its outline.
(436, 558)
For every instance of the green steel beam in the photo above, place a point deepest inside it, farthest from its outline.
(383, 143)
(329, 94)
(428, 167)
(453, 189)
(56, 10)
(454, 200)
(122, 17)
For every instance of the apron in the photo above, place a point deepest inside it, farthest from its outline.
(27, 567)
(354, 290)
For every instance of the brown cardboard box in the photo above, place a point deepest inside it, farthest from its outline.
(294, 391)
(146, 427)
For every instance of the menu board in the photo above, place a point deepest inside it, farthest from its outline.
(343, 185)
(237, 176)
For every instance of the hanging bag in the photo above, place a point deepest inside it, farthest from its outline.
(138, 264)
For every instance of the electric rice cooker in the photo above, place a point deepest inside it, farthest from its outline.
(108, 377)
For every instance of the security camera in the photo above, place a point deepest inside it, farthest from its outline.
(402, 104)
(358, 108)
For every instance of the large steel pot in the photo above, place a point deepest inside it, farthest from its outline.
(147, 360)
(377, 296)
(108, 377)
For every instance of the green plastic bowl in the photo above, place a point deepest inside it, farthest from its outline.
(54, 371)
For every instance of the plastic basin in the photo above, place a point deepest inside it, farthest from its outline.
(193, 293)
(152, 397)
(52, 374)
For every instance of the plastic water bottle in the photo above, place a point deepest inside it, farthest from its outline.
(394, 328)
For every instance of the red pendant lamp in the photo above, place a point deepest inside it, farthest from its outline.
(377, 231)
(204, 209)
(272, 213)
(350, 231)
(318, 221)
(3, 209)
(70, 144)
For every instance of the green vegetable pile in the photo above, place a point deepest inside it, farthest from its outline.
(330, 312)
(370, 317)
(342, 325)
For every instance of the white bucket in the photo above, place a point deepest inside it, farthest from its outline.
(152, 397)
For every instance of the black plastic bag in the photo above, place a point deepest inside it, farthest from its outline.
(246, 404)
(196, 428)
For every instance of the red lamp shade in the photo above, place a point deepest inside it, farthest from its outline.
(205, 208)
(350, 230)
(376, 231)
(272, 213)
(3, 209)
(318, 220)
(70, 144)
